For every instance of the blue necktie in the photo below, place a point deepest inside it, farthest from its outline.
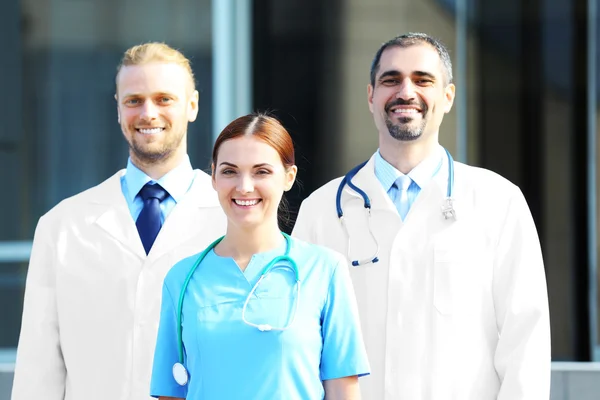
(402, 202)
(148, 222)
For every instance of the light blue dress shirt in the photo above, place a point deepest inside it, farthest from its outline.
(176, 182)
(421, 175)
(228, 359)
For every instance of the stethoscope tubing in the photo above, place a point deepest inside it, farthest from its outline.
(271, 265)
(447, 209)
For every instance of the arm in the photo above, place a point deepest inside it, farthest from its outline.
(342, 389)
(166, 354)
(343, 357)
(40, 371)
(522, 357)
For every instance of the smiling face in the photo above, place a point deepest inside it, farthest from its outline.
(409, 97)
(250, 179)
(155, 104)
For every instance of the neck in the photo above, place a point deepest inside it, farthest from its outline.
(157, 170)
(241, 244)
(405, 156)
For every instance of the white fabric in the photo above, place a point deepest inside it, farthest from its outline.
(454, 309)
(92, 298)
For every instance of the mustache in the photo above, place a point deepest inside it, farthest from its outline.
(402, 102)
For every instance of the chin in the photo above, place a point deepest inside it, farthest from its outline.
(245, 223)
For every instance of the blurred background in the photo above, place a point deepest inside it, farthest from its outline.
(528, 87)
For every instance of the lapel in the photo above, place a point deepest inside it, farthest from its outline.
(115, 218)
(366, 180)
(431, 198)
(189, 217)
(184, 222)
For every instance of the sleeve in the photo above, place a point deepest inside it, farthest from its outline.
(302, 227)
(522, 357)
(166, 351)
(40, 371)
(343, 352)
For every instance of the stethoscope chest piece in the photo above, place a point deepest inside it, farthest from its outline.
(448, 210)
(180, 374)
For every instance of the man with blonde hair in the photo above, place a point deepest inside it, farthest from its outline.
(92, 297)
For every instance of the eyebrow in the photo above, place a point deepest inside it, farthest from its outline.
(156, 94)
(393, 72)
(254, 166)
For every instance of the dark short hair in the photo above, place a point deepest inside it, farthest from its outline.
(411, 39)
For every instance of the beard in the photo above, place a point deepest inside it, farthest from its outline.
(155, 152)
(403, 130)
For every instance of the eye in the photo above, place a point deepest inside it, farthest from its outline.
(132, 102)
(424, 82)
(389, 82)
(227, 171)
(165, 100)
(263, 172)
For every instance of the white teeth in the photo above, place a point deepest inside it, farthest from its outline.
(246, 202)
(405, 111)
(150, 131)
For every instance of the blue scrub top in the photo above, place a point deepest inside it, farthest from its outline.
(228, 359)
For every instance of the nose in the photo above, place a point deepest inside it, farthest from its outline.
(245, 184)
(149, 111)
(406, 90)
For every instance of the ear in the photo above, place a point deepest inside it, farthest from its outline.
(290, 177)
(449, 93)
(370, 91)
(193, 106)
(118, 111)
(212, 173)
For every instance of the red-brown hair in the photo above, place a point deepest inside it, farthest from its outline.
(263, 127)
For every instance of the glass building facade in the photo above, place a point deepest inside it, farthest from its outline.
(526, 107)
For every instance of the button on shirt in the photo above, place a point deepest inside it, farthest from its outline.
(177, 182)
(420, 175)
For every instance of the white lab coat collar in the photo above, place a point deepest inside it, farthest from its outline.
(113, 214)
(366, 180)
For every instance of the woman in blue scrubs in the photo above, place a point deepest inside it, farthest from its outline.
(295, 334)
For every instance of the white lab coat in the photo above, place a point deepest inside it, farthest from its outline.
(92, 298)
(453, 310)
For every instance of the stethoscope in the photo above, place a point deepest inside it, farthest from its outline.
(180, 373)
(448, 210)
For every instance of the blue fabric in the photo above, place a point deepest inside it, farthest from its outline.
(177, 182)
(149, 221)
(402, 200)
(228, 359)
(421, 175)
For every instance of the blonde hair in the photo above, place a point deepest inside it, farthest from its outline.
(156, 52)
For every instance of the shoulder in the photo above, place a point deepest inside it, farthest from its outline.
(202, 191)
(306, 253)
(79, 203)
(178, 273)
(481, 178)
(202, 178)
(327, 192)
(493, 198)
(485, 185)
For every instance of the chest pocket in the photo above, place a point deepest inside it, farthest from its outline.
(462, 270)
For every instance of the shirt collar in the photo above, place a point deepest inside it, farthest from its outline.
(176, 182)
(421, 174)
